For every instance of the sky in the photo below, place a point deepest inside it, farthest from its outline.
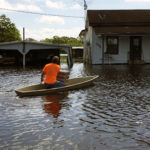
(48, 18)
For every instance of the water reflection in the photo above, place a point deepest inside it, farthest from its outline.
(114, 114)
(52, 104)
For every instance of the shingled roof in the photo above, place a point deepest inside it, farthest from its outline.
(119, 21)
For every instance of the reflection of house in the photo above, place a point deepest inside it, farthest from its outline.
(117, 36)
(77, 52)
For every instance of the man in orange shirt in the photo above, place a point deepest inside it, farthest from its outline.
(50, 71)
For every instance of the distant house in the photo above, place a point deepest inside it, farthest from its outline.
(117, 37)
(77, 53)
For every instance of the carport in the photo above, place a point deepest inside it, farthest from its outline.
(41, 49)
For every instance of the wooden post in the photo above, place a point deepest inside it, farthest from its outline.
(70, 63)
(24, 61)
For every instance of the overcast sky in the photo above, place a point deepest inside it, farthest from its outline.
(68, 19)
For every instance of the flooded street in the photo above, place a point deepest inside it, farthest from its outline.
(113, 114)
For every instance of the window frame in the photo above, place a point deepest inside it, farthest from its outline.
(112, 49)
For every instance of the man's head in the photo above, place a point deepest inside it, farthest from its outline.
(55, 60)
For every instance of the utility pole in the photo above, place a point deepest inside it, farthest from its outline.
(85, 5)
(23, 33)
(85, 9)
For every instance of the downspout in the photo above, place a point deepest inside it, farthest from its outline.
(102, 49)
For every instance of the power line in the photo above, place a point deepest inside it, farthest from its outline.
(36, 13)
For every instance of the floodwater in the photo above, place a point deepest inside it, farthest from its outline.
(113, 114)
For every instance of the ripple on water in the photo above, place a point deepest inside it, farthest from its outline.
(111, 115)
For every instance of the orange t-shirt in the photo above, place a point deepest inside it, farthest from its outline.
(51, 70)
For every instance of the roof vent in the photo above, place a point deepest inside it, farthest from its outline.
(102, 16)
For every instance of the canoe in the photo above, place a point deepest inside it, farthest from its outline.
(71, 84)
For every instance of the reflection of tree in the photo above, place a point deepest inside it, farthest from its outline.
(52, 104)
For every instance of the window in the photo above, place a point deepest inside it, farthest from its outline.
(112, 45)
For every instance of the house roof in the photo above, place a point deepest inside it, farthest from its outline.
(119, 21)
(122, 30)
(120, 17)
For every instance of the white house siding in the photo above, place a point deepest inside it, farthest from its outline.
(93, 49)
(96, 50)
(123, 52)
(87, 48)
(146, 49)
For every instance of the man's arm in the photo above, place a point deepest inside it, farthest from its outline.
(42, 76)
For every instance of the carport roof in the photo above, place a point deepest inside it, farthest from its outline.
(36, 43)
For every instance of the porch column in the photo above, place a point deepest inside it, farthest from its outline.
(70, 63)
(24, 54)
(24, 60)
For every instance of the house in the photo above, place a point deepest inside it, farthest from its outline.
(77, 53)
(117, 37)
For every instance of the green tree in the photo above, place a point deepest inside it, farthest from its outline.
(47, 40)
(8, 30)
(65, 40)
(31, 40)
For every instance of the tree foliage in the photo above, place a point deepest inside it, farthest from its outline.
(31, 40)
(8, 30)
(64, 40)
